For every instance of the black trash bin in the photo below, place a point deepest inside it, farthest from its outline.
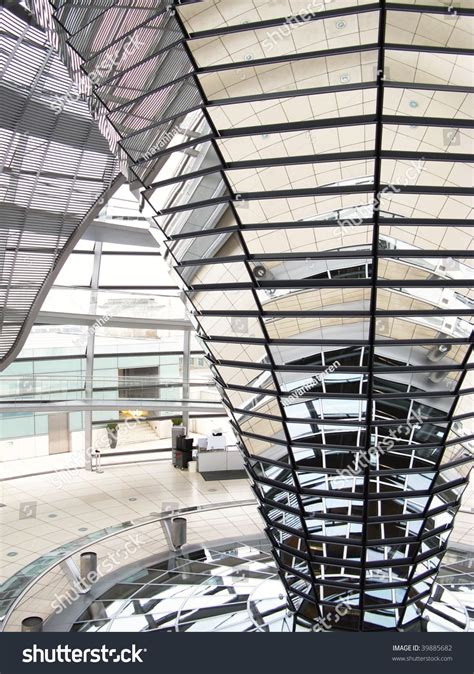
(183, 453)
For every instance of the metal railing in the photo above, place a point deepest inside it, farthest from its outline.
(30, 591)
(51, 387)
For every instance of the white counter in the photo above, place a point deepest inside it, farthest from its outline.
(210, 460)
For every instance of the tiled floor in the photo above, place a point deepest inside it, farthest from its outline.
(37, 514)
(75, 459)
(40, 513)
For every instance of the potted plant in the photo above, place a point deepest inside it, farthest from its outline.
(112, 432)
(177, 429)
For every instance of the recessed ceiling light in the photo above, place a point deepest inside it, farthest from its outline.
(413, 104)
(264, 135)
(345, 78)
(340, 25)
(248, 57)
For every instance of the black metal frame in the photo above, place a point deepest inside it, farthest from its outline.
(391, 384)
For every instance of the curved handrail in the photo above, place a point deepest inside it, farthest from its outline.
(80, 544)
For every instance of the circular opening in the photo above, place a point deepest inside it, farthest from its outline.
(32, 621)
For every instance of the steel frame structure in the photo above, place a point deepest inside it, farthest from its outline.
(55, 167)
(333, 259)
